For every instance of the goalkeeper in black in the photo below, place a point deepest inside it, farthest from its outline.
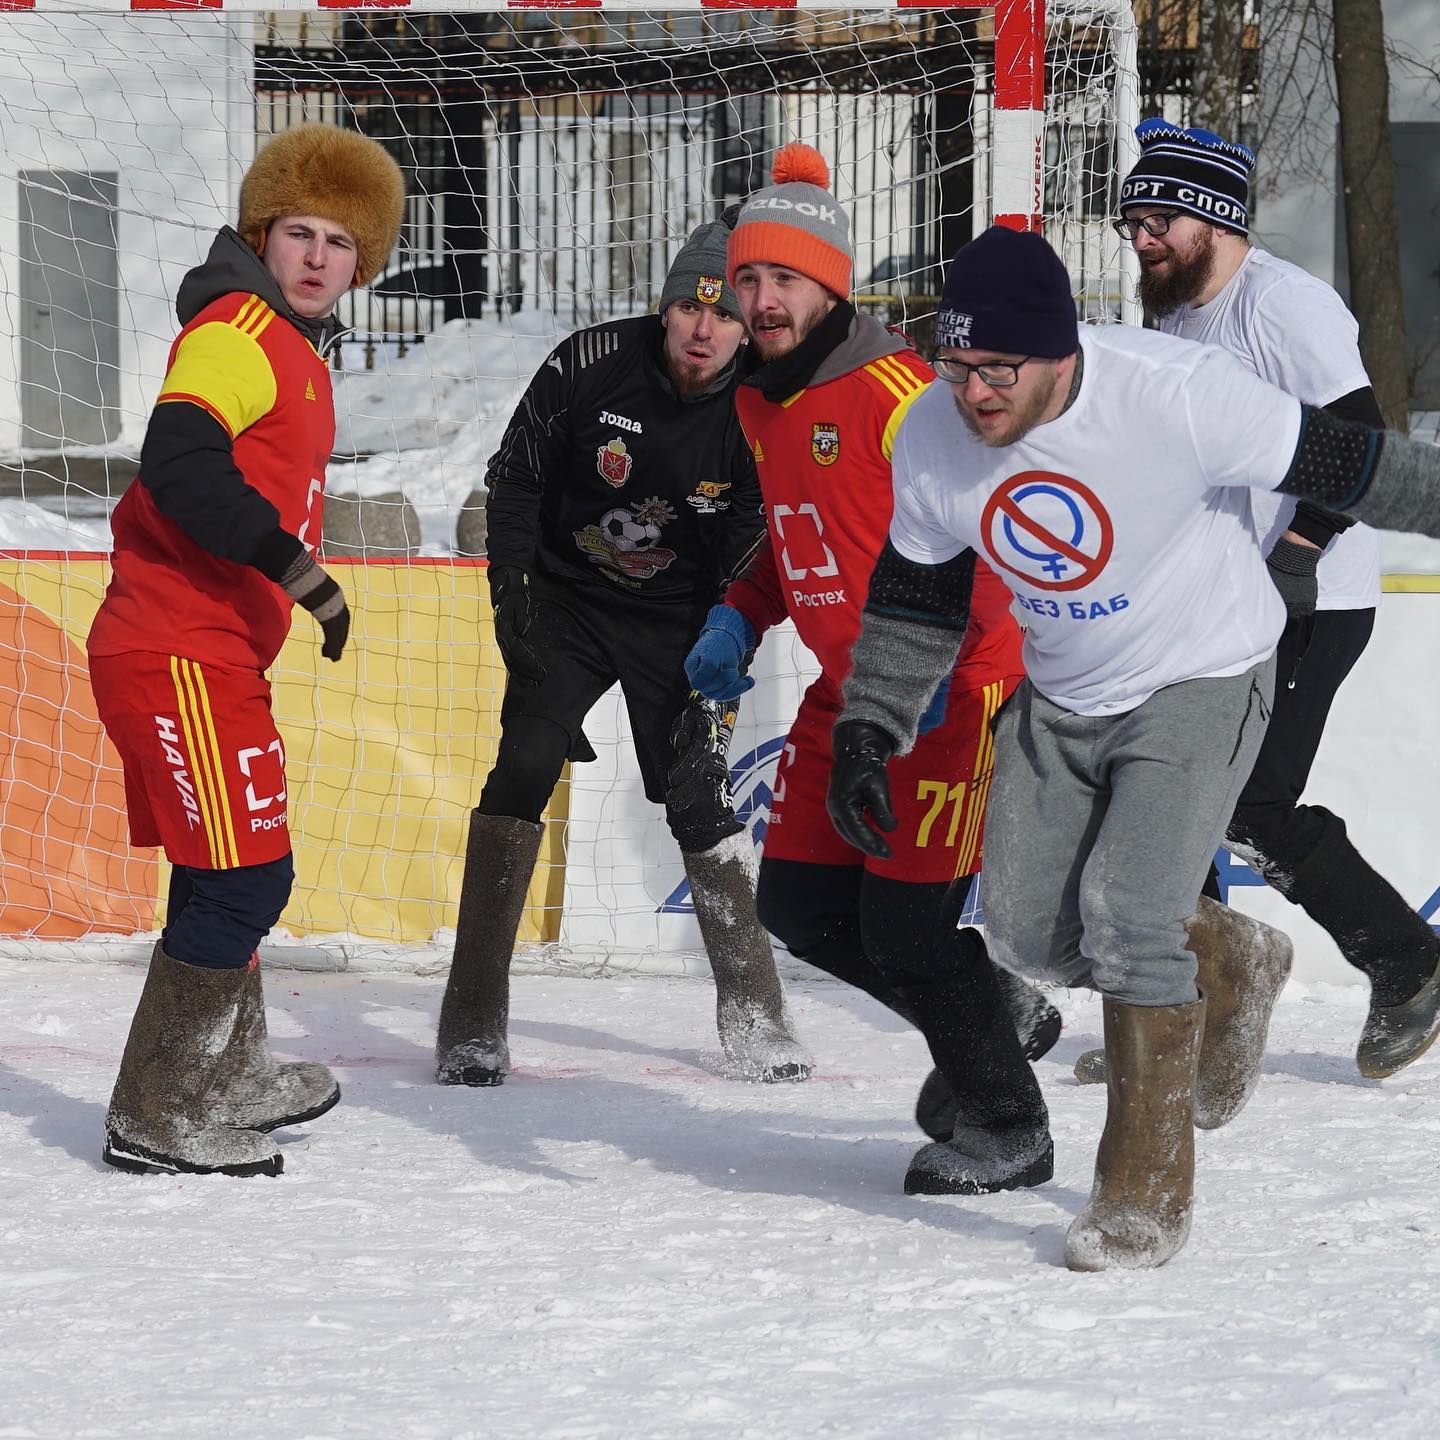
(621, 501)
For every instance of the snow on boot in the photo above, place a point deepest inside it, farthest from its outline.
(260, 1092)
(1241, 966)
(471, 1046)
(1396, 1035)
(1379, 934)
(757, 1036)
(1037, 1023)
(179, 1055)
(1139, 1210)
(1001, 1139)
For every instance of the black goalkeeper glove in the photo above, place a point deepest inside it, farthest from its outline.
(700, 738)
(510, 595)
(282, 558)
(858, 783)
(1293, 569)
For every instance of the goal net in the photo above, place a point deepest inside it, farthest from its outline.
(556, 157)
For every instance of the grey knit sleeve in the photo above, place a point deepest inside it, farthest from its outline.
(910, 636)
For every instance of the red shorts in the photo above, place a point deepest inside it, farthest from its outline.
(204, 764)
(938, 791)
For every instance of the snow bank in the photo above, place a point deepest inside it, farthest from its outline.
(26, 526)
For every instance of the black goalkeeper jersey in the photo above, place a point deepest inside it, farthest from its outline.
(607, 478)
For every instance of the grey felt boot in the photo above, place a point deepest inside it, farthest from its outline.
(1140, 1204)
(757, 1035)
(259, 1092)
(1000, 1139)
(180, 1055)
(471, 1046)
(1241, 965)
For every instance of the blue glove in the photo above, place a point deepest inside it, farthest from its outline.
(934, 716)
(718, 658)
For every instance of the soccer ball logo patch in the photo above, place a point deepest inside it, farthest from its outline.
(613, 461)
(708, 289)
(825, 443)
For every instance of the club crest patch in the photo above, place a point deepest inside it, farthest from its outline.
(614, 462)
(709, 289)
(825, 443)
(706, 498)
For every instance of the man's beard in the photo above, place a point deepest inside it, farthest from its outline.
(1019, 422)
(691, 379)
(1184, 278)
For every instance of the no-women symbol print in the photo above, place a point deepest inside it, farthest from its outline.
(1048, 529)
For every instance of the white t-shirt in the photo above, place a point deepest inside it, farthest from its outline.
(1294, 331)
(1122, 528)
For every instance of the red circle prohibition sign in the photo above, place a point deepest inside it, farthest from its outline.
(1038, 541)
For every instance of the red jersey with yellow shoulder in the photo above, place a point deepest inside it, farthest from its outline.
(264, 382)
(823, 456)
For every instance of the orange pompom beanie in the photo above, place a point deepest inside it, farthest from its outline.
(797, 223)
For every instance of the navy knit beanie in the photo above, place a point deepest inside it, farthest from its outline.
(1193, 170)
(1008, 291)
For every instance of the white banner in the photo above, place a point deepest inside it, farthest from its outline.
(626, 901)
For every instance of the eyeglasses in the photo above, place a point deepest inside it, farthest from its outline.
(999, 375)
(1155, 225)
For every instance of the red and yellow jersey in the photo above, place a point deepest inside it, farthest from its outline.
(823, 456)
(266, 385)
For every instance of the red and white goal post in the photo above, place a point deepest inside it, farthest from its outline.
(557, 155)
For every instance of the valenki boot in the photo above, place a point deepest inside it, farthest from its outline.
(1241, 967)
(1037, 1024)
(260, 1092)
(757, 1036)
(471, 1046)
(1001, 1136)
(1139, 1211)
(1380, 935)
(179, 1056)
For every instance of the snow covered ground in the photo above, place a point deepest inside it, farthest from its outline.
(621, 1243)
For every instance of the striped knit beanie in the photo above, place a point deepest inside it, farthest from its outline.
(797, 223)
(1196, 171)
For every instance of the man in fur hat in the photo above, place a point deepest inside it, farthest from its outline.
(621, 500)
(215, 541)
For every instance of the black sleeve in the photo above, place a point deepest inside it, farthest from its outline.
(937, 595)
(1334, 460)
(1313, 522)
(736, 533)
(535, 447)
(1360, 406)
(188, 466)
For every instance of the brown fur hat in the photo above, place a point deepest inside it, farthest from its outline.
(338, 174)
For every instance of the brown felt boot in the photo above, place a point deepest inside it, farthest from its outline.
(471, 1047)
(757, 1035)
(260, 1092)
(1139, 1210)
(1241, 967)
(180, 1055)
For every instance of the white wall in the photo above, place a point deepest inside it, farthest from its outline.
(163, 100)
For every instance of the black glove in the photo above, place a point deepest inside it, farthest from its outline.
(700, 738)
(282, 558)
(510, 595)
(1292, 568)
(858, 783)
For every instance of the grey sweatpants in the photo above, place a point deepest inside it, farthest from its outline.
(1101, 829)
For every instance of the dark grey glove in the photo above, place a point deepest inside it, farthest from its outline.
(700, 737)
(1292, 568)
(282, 558)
